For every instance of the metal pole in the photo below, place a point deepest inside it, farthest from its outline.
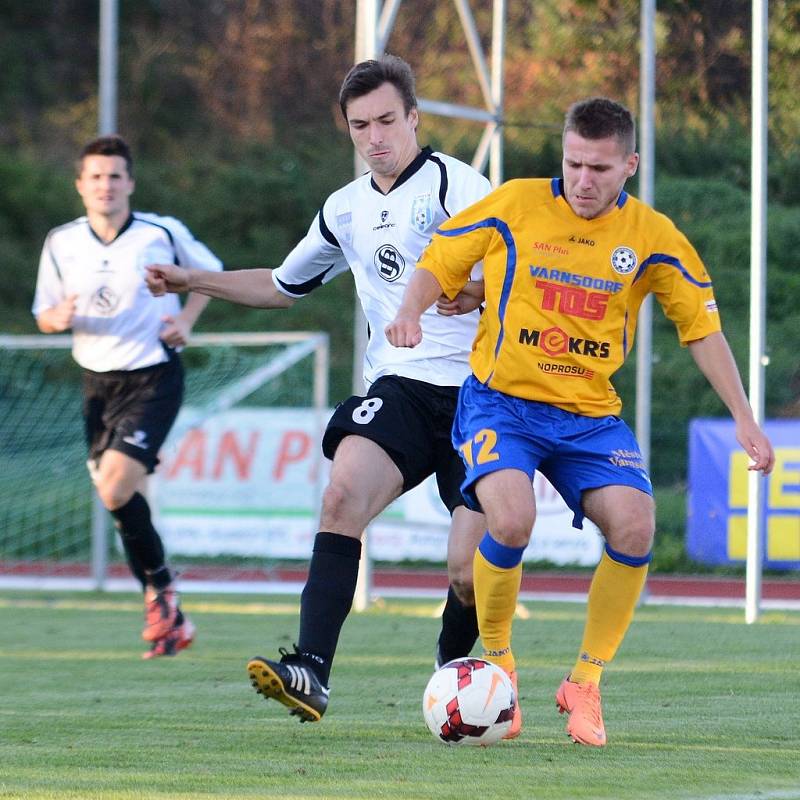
(498, 54)
(367, 13)
(107, 68)
(644, 327)
(758, 259)
(99, 542)
(106, 124)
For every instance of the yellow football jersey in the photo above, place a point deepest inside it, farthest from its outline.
(563, 293)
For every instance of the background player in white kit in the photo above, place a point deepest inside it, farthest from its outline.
(391, 440)
(91, 281)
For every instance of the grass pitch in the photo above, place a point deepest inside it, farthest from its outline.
(697, 705)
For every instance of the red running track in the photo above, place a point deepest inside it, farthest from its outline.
(535, 582)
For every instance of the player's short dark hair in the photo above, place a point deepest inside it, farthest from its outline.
(600, 118)
(369, 75)
(112, 145)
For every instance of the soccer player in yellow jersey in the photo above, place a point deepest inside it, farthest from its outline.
(567, 264)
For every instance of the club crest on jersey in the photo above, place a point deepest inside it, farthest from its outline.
(421, 212)
(105, 301)
(624, 260)
(389, 263)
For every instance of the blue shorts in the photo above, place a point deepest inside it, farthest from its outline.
(494, 431)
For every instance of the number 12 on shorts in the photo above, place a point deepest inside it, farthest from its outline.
(484, 441)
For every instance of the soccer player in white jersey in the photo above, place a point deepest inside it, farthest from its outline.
(91, 282)
(389, 441)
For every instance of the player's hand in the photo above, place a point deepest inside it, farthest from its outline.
(60, 316)
(404, 332)
(468, 299)
(175, 332)
(756, 445)
(462, 303)
(164, 278)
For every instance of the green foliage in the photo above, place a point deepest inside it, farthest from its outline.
(696, 704)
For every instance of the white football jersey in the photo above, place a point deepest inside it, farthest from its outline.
(380, 237)
(117, 321)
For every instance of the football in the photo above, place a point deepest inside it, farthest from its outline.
(469, 701)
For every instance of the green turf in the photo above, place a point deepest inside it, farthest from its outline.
(697, 705)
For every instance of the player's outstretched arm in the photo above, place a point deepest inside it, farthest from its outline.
(247, 287)
(421, 293)
(715, 360)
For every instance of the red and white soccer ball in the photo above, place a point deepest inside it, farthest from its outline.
(469, 701)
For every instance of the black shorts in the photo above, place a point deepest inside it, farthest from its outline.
(411, 420)
(132, 410)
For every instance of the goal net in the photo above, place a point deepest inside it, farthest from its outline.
(236, 493)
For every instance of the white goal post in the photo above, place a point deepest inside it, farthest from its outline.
(53, 531)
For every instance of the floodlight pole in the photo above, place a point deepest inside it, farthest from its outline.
(106, 123)
(107, 67)
(758, 259)
(644, 326)
(374, 23)
(367, 46)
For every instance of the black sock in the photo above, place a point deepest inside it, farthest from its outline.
(135, 567)
(141, 541)
(327, 598)
(459, 629)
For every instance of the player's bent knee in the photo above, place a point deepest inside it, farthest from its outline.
(343, 508)
(113, 495)
(463, 587)
(634, 539)
(511, 527)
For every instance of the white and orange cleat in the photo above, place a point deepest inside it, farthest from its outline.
(178, 638)
(582, 702)
(160, 612)
(516, 720)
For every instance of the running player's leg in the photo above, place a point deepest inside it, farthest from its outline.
(601, 475)
(128, 417)
(363, 482)
(459, 619)
(626, 516)
(120, 482)
(508, 502)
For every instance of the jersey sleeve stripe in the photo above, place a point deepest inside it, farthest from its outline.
(443, 183)
(511, 267)
(662, 258)
(326, 232)
(175, 259)
(302, 289)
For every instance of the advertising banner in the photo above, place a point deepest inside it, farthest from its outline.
(249, 482)
(717, 503)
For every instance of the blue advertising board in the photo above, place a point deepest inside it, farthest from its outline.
(717, 499)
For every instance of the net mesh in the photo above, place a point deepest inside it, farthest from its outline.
(46, 498)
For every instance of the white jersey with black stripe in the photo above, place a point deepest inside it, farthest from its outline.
(380, 237)
(117, 321)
